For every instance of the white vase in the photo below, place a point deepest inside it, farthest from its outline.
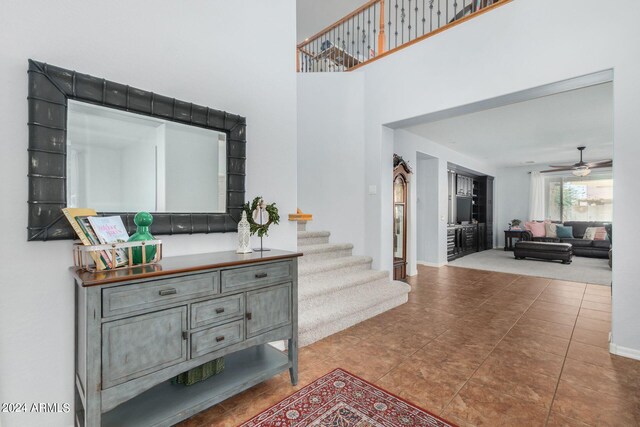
(244, 234)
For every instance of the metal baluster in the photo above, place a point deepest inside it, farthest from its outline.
(402, 16)
(409, 21)
(375, 32)
(353, 41)
(389, 32)
(357, 34)
(430, 15)
(396, 45)
(424, 20)
(446, 8)
(439, 13)
(415, 11)
(364, 37)
(369, 32)
(455, 9)
(344, 43)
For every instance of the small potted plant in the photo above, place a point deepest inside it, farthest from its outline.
(515, 224)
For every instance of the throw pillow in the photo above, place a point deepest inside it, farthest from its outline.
(589, 233)
(536, 228)
(564, 232)
(550, 230)
(601, 234)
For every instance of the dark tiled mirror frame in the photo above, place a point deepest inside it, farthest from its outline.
(49, 89)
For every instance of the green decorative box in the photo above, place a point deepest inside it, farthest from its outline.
(200, 373)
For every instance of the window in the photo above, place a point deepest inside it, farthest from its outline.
(572, 198)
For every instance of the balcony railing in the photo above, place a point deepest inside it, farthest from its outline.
(380, 27)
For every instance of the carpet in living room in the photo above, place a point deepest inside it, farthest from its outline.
(582, 269)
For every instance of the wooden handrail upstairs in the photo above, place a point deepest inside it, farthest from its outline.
(381, 27)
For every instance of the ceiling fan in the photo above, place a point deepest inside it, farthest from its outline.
(581, 168)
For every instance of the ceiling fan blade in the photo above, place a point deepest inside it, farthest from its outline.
(604, 165)
(562, 166)
(599, 163)
(558, 170)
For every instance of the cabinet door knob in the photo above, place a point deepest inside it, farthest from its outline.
(219, 310)
(261, 275)
(220, 338)
(185, 335)
(248, 316)
(170, 291)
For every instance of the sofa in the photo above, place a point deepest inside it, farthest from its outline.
(582, 247)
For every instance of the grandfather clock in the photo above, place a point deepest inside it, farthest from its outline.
(401, 174)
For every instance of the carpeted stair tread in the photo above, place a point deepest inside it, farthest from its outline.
(312, 234)
(321, 266)
(324, 248)
(367, 290)
(332, 326)
(310, 287)
(306, 238)
(368, 297)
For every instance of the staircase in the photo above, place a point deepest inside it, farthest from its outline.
(336, 289)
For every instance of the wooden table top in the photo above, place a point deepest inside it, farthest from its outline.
(179, 264)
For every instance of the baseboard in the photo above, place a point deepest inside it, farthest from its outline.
(431, 264)
(631, 353)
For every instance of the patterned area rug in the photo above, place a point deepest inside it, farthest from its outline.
(340, 399)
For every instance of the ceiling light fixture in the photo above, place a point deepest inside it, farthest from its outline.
(581, 171)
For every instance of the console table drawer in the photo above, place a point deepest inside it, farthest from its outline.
(131, 298)
(213, 339)
(247, 277)
(216, 310)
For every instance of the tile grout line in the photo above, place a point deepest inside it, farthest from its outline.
(448, 329)
(498, 343)
(565, 357)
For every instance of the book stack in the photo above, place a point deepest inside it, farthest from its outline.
(96, 230)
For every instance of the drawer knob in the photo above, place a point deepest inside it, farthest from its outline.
(170, 291)
(219, 310)
(220, 338)
(248, 316)
(261, 275)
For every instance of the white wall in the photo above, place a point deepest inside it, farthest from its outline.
(331, 138)
(428, 220)
(521, 45)
(512, 188)
(428, 211)
(315, 15)
(206, 52)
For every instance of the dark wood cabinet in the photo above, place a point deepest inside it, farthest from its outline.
(464, 239)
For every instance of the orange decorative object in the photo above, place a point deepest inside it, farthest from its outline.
(300, 216)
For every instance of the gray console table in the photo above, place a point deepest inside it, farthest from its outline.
(137, 328)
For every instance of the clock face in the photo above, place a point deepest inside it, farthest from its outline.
(260, 216)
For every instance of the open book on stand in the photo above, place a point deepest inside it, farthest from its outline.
(111, 229)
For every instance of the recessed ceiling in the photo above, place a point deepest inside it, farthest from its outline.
(540, 131)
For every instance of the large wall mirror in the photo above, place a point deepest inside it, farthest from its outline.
(120, 150)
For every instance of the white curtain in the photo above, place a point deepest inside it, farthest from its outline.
(536, 197)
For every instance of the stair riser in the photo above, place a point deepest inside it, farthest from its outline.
(312, 335)
(307, 302)
(342, 270)
(307, 258)
(302, 225)
(306, 241)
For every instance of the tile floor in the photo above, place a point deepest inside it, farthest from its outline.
(477, 348)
